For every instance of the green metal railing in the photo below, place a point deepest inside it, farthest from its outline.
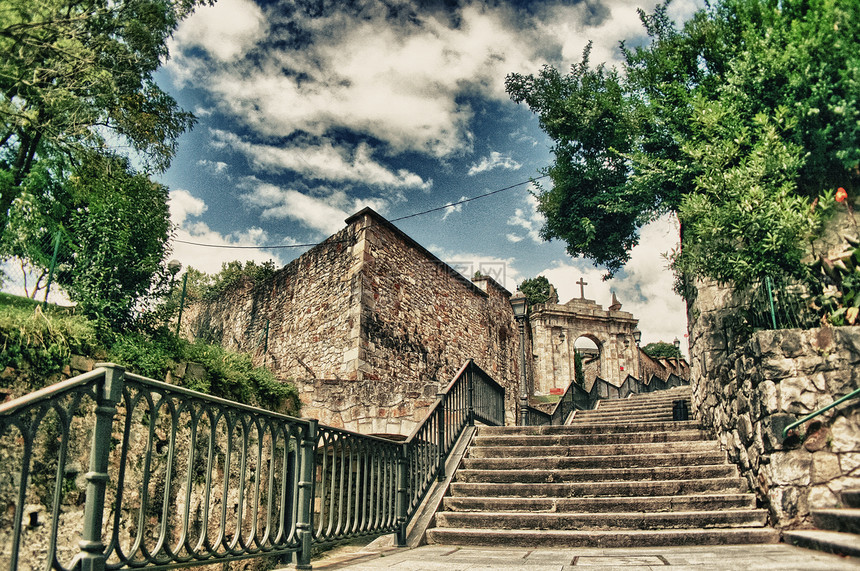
(178, 478)
(808, 417)
(577, 398)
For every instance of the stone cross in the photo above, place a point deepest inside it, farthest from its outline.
(582, 283)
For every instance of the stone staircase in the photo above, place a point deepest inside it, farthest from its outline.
(838, 528)
(621, 475)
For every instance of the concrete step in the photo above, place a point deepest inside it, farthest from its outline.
(598, 538)
(586, 439)
(851, 498)
(845, 520)
(585, 521)
(598, 474)
(564, 462)
(650, 504)
(599, 489)
(620, 416)
(589, 428)
(629, 404)
(594, 449)
(827, 541)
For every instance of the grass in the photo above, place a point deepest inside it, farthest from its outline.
(43, 340)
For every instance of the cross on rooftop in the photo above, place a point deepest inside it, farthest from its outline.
(582, 283)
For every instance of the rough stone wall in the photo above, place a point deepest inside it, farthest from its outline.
(774, 379)
(422, 320)
(309, 305)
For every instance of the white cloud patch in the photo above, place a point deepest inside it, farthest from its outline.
(184, 211)
(453, 209)
(322, 161)
(467, 264)
(645, 290)
(216, 167)
(496, 160)
(529, 220)
(324, 211)
(226, 33)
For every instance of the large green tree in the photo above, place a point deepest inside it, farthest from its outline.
(743, 122)
(76, 76)
(113, 225)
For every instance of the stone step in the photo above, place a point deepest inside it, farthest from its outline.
(851, 498)
(595, 449)
(586, 439)
(595, 521)
(616, 461)
(620, 416)
(598, 475)
(600, 489)
(591, 428)
(598, 538)
(827, 541)
(845, 520)
(647, 398)
(630, 404)
(649, 504)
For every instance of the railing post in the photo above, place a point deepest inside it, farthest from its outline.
(402, 505)
(440, 435)
(93, 557)
(470, 394)
(306, 496)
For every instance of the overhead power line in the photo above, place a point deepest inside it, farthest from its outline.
(422, 213)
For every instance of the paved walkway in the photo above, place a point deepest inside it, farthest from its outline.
(451, 558)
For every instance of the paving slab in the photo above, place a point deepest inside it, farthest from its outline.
(780, 557)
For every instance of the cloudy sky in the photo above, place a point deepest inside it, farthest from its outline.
(311, 110)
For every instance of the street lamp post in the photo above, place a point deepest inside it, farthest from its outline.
(637, 337)
(519, 304)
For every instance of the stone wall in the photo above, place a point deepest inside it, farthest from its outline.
(369, 326)
(772, 380)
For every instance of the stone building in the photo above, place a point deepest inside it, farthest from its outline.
(555, 329)
(369, 325)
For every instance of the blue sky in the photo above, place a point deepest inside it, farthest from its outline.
(310, 111)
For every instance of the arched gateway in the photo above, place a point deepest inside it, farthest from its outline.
(555, 329)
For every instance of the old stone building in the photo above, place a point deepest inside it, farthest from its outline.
(369, 325)
(555, 329)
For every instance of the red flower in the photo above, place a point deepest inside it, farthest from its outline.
(841, 195)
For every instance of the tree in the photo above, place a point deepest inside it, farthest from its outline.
(742, 122)
(536, 290)
(76, 75)
(662, 350)
(114, 226)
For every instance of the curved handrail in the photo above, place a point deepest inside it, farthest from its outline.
(793, 425)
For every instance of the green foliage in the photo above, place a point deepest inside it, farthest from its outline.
(578, 372)
(536, 290)
(662, 350)
(76, 75)
(113, 224)
(43, 340)
(232, 273)
(740, 122)
(838, 285)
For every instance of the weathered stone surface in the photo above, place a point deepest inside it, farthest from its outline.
(80, 363)
(846, 434)
(825, 467)
(817, 437)
(792, 467)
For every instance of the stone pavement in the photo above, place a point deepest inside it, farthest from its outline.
(698, 558)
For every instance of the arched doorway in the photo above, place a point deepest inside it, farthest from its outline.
(587, 351)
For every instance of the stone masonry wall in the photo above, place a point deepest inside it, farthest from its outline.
(422, 321)
(761, 387)
(309, 308)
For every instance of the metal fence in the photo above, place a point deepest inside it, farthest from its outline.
(177, 478)
(575, 397)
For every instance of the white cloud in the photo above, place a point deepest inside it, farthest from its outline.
(322, 161)
(496, 160)
(325, 212)
(217, 167)
(645, 290)
(184, 209)
(500, 269)
(514, 238)
(528, 219)
(453, 209)
(225, 33)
